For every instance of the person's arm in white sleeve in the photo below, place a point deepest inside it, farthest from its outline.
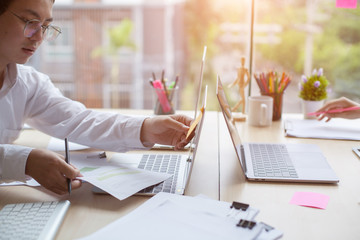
(58, 116)
(61, 117)
(12, 162)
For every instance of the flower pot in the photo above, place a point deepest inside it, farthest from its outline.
(311, 106)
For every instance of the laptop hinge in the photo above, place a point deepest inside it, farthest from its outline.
(243, 162)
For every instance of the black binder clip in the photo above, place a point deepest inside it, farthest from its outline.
(238, 205)
(246, 224)
(102, 155)
(99, 155)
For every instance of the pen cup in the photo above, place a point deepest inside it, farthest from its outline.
(278, 103)
(165, 105)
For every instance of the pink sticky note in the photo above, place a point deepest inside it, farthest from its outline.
(346, 3)
(310, 199)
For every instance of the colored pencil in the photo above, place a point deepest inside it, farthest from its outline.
(337, 110)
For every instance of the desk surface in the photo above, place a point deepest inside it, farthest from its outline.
(89, 212)
(341, 218)
(217, 174)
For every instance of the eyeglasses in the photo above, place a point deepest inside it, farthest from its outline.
(50, 32)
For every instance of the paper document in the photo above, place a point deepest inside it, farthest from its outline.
(342, 129)
(31, 182)
(114, 178)
(180, 217)
(57, 145)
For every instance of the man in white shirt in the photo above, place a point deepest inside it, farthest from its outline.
(29, 96)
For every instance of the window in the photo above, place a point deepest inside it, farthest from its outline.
(82, 76)
(292, 36)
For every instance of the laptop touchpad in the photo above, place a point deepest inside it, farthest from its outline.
(309, 160)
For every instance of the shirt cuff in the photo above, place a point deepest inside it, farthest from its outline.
(14, 162)
(133, 128)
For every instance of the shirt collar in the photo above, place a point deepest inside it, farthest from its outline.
(10, 78)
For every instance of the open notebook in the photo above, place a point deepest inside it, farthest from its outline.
(276, 162)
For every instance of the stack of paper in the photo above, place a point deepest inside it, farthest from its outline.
(342, 129)
(170, 216)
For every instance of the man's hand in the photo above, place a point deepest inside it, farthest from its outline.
(51, 171)
(168, 130)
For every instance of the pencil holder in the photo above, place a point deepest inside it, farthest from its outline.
(165, 104)
(278, 102)
(272, 84)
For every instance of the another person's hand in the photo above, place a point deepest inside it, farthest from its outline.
(168, 130)
(342, 102)
(51, 171)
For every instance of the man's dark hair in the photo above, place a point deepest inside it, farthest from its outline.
(4, 4)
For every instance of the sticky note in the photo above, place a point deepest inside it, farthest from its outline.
(346, 3)
(194, 124)
(310, 199)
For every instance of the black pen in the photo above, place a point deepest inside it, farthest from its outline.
(67, 160)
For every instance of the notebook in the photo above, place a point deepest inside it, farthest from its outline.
(276, 162)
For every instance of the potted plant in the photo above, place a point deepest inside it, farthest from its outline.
(313, 91)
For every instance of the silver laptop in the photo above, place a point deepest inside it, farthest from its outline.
(197, 95)
(276, 162)
(178, 165)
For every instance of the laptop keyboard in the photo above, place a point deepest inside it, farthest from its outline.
(164, 163)
(272, 160)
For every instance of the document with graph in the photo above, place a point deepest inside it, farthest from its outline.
(119, 180)
(177, 217)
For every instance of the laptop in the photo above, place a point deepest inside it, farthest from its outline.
(179, 165)
(276, 162)
(197, 94)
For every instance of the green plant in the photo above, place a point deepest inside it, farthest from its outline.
(314, 88)
(119, 37)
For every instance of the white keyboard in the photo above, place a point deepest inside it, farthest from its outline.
(39, 220)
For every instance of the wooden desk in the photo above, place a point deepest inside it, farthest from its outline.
(341, 218)
(89, 212)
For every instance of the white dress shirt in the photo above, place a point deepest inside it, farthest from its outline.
(28, 96)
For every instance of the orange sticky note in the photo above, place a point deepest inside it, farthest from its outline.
(195, 123)
(346, 3)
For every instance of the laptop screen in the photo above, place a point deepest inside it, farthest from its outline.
(195, 141)
(196, 138)
(225, 108)
(198, 90)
